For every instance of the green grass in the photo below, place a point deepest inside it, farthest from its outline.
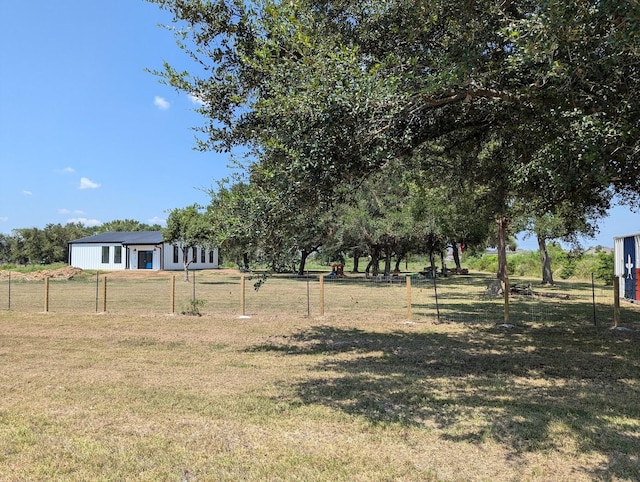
(454, 299)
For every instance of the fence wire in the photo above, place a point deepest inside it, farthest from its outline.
(458, 298)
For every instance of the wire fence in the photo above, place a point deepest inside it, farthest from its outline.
(459, 298)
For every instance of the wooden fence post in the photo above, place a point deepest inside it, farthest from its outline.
(46, 295)
(409, 297)
(104, 294)
(507, 317)
(97, 290)
(172, 297)
(242, 296)
(321, 295)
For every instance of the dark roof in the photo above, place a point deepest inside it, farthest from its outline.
(123, 237)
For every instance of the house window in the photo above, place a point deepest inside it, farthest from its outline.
(175, 253)
(211, 256)
(117, 254)
(105, 254)
(194, 258)
(203, 258)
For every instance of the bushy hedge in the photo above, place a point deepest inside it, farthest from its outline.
(564, 264)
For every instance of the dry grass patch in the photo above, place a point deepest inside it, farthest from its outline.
(115, 397)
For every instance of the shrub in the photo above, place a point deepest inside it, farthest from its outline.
(486, 262)
(572, 264)
(192, 307)
(605, 268)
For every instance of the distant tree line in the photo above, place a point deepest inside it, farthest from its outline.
(50, 244)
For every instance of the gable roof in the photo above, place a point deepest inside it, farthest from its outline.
(122, 237)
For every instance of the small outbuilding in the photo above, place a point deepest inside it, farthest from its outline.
(122, 250)
(626, 251)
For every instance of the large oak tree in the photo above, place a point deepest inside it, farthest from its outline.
(539, 99)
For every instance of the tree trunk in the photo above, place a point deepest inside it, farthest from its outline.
(398, 260)
(245, 261)
(303, 260)
(185, 262)
(432, 262)
(388, 252)
(443, 266)
(545, 260)
(456, 255)
(356, 261)
(374, 263)
(503, 227)
(503, 273)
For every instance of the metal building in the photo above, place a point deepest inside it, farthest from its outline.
(626, 251)
(119, 250)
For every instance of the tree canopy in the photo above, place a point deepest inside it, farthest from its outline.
(331, 90)
(536, 104)
(187, 228)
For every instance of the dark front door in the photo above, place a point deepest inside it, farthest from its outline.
(145, 259)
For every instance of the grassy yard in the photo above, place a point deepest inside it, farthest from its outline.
(454, 298)
(119, 396)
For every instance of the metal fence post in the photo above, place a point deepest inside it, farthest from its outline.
(321, 295)
(616, 302)
(46, 295)
(593, 298)
(507, 316)
(104, 294)
(435, 292)
(308, 296)
(172, 297)
(408, 278)
(242, 295)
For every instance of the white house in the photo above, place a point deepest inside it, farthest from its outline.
(136, 250)
(626, 251)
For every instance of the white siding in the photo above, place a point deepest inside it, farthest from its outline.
(169, 265)
(89, 256)
(618, 253)
(618, 257)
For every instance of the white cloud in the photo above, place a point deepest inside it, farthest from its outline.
(161, 103)
(157, 220)
(4, 219)
(86, 183)
(69, 169)
(27, 193)
(85, 221)
(63, 211)
(195, 99)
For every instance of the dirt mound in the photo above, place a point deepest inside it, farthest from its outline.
(67, 272)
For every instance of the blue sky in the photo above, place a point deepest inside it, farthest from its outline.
(86, 135)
